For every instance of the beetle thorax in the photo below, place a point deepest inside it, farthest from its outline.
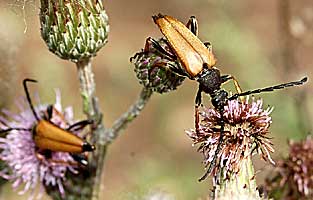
(209, 80)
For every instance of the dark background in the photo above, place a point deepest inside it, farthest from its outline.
(259, 42)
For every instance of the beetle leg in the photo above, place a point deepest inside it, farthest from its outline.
(209, 46)
(197, 104)
(178, 71)
(173, 68)
(218, 148)
(150, 42)
(197, 120)
(199, 97)
(136, 56)
(80, 158)
(58, 162)
(80, 125)
(49, 112)
(192, 24)
(156, 45)
(226, 78)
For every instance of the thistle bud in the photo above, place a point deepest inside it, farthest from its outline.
(74, 29)
(153, 69)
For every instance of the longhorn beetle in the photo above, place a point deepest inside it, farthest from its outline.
(49, 137)
(198, 63)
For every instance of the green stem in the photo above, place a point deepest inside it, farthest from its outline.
(91, 109)
(84, 185)
(87, 87)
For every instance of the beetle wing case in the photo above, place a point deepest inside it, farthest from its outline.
(52, 137)
(191, 52)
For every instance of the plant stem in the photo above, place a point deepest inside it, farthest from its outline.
(112, 133)
(87, 87)
(101, 136)
(91, 109)
(133, 111)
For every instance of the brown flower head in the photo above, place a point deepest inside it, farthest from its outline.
(246, 126)
(294, 179)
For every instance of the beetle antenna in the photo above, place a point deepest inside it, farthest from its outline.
(28, 96)
(269, 89)
(10, 128)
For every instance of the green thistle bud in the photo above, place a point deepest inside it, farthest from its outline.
(152, 69)
(74, 29)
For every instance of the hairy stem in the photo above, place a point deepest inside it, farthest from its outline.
(101, 136)
(87, 87)
(91, 109)
(83, 185)
(133, 111)
(112, 133)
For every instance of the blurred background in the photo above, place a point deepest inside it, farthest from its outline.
(261, 43)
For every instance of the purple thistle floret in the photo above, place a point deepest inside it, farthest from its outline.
(246, 126)
(25, 164)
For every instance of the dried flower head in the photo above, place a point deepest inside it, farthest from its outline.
(74, 29)
(246, 126)
(294, 178)
(152, 68)
(25, 163)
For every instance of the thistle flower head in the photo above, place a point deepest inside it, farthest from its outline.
(246, 126)
(25, 163)
(294, 178)
(74, 29)
(152, 69)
